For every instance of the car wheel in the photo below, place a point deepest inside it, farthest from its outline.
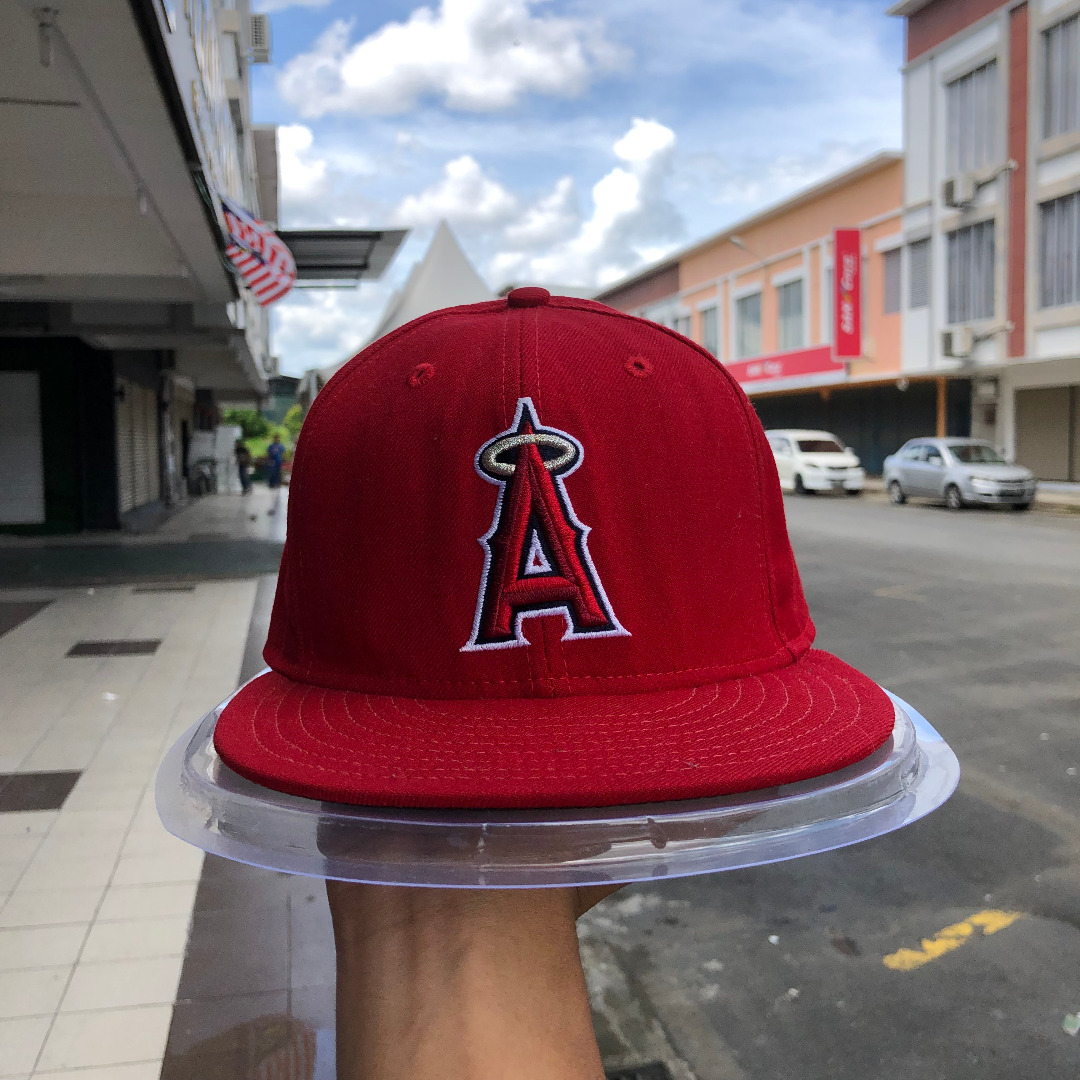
(1021, 506)
(852, 492)
(896, 493)
(800, 487)
(953, 499)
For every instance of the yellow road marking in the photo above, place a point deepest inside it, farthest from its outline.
(952, 937)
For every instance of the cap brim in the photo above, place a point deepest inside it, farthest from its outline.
(813, 717)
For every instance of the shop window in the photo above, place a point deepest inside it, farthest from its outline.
(892, 281)
(919, 274)
(710, 336)
(1061, 78)
(1059, 251)
(748, 326)
(971, 273)
(971, 120)
(790, 302)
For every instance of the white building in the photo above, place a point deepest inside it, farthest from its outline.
(991, 282)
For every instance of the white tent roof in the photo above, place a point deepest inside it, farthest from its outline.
(444, 277)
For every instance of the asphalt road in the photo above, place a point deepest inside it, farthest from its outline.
(777, 972)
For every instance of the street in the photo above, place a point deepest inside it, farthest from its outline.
(778, 972)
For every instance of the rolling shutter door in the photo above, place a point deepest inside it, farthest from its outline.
(137, 450)
(1042, 431)
(125, 463)
(22, 471)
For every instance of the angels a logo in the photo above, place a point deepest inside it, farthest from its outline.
(536, 559)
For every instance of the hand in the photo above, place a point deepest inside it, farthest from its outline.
(462, 984)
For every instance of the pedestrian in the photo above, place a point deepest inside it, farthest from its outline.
(275, 459)
(243, 466)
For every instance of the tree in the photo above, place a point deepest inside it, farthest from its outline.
(293, 420)
(253, 424)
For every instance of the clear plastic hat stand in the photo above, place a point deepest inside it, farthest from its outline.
(204, 802)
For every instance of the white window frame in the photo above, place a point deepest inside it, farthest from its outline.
(896, 250)
(1059, 299)
(713, 305)
(955, 161)
(743, 294)
(909, 277)
(971, 316)
(1055, 25)
(782, 281)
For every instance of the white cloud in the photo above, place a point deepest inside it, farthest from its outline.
(321, 183)
(632, 219)
(551, 218)
(462, 195)
(313, 328)
(472, 54)
(302, 173)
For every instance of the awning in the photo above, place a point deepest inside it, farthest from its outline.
(342, 254)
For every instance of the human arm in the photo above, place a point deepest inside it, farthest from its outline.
(461, 984)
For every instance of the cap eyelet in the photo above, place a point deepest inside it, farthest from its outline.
(421, 374)
(639, 366)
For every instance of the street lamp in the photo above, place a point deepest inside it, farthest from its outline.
(739, 242)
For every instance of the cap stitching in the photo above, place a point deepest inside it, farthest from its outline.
(805, 678)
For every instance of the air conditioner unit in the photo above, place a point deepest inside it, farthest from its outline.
(960, 191)
(958, 343)
(260, 39)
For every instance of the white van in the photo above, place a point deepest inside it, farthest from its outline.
(809, 461)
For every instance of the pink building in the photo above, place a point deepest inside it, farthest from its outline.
(760, 297)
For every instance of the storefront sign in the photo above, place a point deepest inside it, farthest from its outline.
(847, 275)
(816, 361)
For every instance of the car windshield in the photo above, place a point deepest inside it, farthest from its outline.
(976, 454)
(820, 446)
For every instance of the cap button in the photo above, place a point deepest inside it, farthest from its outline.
(530, 297)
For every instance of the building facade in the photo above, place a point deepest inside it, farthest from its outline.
(991, 256)
(121, 324)
(760, 296)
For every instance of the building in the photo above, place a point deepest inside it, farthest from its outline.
(280, 397)
(760, 297)
(121, 324)
(991, 261)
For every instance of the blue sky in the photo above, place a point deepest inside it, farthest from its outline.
(566, 141)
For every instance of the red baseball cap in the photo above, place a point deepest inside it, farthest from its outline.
(537, 557)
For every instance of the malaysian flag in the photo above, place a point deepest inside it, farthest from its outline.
(265, 264)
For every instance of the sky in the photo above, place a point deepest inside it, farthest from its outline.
(567, 142)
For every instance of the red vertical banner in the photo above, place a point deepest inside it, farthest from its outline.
(847, 292)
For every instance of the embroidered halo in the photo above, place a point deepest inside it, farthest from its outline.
(489, 459)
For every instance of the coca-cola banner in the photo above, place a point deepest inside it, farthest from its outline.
(847, 278)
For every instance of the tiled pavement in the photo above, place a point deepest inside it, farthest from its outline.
(95, 898)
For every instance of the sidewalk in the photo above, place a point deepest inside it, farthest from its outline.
(215, 537)
(95, 897)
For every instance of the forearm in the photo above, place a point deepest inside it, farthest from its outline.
(441, 984)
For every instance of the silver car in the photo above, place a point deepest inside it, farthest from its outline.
(958, 472)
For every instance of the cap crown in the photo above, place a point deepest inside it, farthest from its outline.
(534, 497)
